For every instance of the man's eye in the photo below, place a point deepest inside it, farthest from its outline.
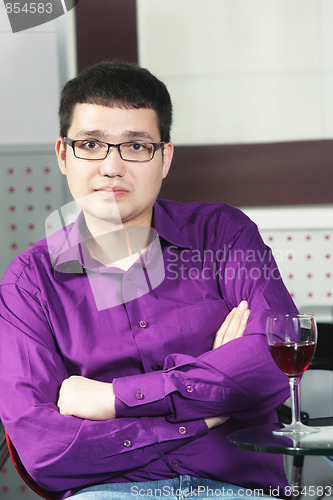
(137, 146)
(91, 145)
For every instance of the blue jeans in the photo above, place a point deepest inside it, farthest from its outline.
(179, 488)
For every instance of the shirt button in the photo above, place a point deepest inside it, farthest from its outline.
(129, 277)
(155, 366)
(143, 324)
(139, 396)
(175, 463)
(182, 430)
(189, 389)
(127, 443)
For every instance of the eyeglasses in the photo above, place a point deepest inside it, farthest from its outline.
(129, 151)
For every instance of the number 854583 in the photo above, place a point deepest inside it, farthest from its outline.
(29, 8)
(312, 491)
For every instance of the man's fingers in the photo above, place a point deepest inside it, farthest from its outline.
(243, 323)
(215, 421)
(239, 322)
(222, 330)
(240, 317)
(233, 326)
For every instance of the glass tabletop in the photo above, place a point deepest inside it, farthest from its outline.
(262, 439)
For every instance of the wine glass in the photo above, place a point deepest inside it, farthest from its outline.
(292, 342)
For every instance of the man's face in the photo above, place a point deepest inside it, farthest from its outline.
(133, 186)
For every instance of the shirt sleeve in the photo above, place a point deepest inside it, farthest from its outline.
(239, 379)
(80, 452)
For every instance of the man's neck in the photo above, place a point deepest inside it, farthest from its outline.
(117, 245)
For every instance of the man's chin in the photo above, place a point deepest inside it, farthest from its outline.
(104, 210)
(100, 217)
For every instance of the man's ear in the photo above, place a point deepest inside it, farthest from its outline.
(167, 158)
(61, 155)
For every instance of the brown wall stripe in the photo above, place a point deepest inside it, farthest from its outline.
(105, 29)
(289, 173)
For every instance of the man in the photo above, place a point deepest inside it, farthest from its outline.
(116, 374)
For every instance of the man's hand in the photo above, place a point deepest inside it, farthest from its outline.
(233, 326)
(85, 398)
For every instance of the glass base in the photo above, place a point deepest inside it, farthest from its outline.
(296, 429)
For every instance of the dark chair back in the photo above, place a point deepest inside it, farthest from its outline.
(323, 356)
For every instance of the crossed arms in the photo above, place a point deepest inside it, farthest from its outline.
(94, 400)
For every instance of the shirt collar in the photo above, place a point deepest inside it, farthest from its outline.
(69, 253)
(167, 228)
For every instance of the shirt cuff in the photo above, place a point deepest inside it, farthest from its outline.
(180, 433)
(141, 396)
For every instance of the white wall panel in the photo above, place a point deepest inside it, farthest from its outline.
(250, 108)
(229, 35)
(328, 106)
(34, 64)
(327, 34)
(4, 21)
(241, 70)
(301, 239)
(31, 188)
(29, 88)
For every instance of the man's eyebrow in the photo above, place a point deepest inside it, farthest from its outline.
(137, 134)
(98, 134)
(102, 135)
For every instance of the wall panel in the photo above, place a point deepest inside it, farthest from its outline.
(242, 71)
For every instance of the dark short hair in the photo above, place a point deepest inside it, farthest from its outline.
(115, 83)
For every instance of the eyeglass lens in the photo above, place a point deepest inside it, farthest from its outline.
(131, 151)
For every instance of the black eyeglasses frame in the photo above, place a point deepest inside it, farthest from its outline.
(156, 147)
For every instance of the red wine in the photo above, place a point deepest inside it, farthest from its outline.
(292, 358)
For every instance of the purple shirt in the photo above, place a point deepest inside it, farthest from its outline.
(156, 349)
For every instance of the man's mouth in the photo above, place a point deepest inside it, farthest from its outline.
(111, 192)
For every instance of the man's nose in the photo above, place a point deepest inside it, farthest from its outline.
(113, 165)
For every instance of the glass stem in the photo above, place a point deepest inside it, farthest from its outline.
(294, 394)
